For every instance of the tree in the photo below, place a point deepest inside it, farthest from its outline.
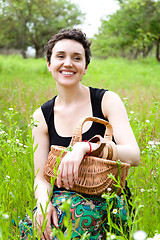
(32, 22)
(133, 30)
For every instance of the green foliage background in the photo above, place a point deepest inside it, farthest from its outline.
(131, 31)
(26, 84)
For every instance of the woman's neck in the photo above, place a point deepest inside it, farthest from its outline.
(71, 94)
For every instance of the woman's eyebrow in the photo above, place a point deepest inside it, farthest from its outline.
(60, 52)
(75, 53)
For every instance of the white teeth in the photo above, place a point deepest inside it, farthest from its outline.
(67, 73)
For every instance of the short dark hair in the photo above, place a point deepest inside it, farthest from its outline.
(73, 34)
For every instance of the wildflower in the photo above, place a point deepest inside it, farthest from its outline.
(114, 210)
(20, 144)
(113, 236)
(140, 235)
(151, 142)
(2, 132)
(125, 98)
(17, 140)
(10, 109)
(8, 141)
(147, 121)
(156, 237)
(157, 143)
(5, 216)
(131, 112)
(142, 190)
(7, 176)
(25, 146)
(109, 189)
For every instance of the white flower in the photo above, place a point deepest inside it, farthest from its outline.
(25, 146)
(151, 142)
(2, 132)
(114, 210)
(131, 112)
(147, 121)
(142, 190)
(8, 141)
(17, 140)
(10, 109)
(7, 176)
(109, 189)
(156, 237)
(140, 235)
(113, 237)
(149, 238)
(157, 143)
(20, 144)
(5, 216)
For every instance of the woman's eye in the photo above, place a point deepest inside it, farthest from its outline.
(77, 58)
(60, 56)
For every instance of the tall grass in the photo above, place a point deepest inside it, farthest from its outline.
(25, 84)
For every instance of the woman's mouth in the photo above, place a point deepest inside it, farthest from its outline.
(67, 73)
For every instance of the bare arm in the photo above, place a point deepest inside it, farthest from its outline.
(42, 187)
(41, 139)
(114, 109)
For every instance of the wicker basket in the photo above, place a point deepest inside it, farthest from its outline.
(93, 171)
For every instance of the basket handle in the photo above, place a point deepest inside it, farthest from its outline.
(77, 136)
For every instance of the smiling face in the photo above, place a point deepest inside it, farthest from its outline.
(68, 64)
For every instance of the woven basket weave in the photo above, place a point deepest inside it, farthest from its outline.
(93, 171)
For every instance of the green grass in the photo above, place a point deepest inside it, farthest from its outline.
(25, 84)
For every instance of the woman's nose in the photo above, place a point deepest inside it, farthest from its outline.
(68, 61)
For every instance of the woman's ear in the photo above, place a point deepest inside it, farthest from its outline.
(85, 70)
(48, 66)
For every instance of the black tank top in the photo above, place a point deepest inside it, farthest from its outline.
(96, 96)
(96, 128)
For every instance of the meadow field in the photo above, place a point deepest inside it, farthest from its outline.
(25, 84)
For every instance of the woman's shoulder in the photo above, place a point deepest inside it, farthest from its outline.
(112, 103)
(38, 115)
(111, 97)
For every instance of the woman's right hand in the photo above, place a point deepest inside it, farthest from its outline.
(68, 168)
(38, 220)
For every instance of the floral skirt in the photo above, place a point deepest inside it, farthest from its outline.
(87, 214)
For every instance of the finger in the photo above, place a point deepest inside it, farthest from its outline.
(55, 218)
(43, 237)
(47, 232)
(59, 178)
(37, 225)
(70, 175)
(75, 172)
(65, 176)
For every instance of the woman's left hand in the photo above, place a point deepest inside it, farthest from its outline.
(68, 168)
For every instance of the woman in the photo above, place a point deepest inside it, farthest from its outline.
(68, 56)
